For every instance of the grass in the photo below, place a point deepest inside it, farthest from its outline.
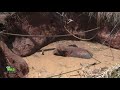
(111, 17)
(112, 72)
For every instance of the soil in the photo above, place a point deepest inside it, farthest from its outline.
(48, 65)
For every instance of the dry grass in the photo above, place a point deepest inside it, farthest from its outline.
(111, 17)
(112, 72)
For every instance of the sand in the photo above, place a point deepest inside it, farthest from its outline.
(49, 65)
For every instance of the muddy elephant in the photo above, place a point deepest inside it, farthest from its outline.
(72, 51)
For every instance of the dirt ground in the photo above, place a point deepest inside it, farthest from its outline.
(51, 66)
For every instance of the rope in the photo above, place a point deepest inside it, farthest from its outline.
(74, 35)
(21, 35)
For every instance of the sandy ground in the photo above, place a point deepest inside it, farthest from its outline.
(51, 66)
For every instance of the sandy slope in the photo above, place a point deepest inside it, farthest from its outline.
(42, 66)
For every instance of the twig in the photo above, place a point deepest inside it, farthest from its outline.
(110, 33)
(110, 43)
(107, 55)
(83, 70)
(111, 39)
(96, 60)
(76, 74)
(79, 37)
(65, 73)
(74, 70)
(92, 29)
